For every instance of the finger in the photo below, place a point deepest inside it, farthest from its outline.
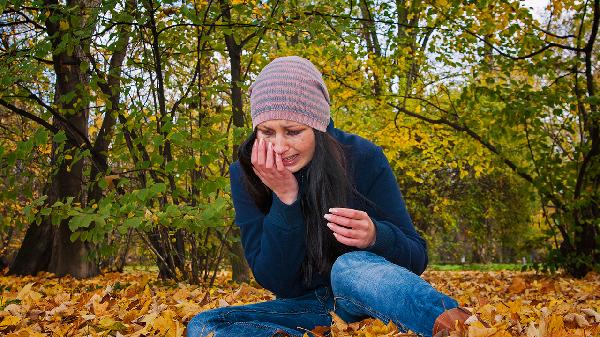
(270, 161)
(260, 161)
(347, 241)
(340, 220)
(348, 213)
(343, 231)
(254, 157)
(279, 162)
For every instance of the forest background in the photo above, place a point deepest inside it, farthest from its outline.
(119, 120)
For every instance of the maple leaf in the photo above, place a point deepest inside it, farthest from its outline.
(42, 305)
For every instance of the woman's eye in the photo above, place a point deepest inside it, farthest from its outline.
(294, 132)
(266, 132)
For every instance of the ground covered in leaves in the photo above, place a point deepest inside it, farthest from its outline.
(136, 304)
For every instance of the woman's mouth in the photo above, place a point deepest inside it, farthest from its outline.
(289, 161)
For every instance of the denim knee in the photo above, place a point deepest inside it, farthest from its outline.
(347, 268)
(203, 323)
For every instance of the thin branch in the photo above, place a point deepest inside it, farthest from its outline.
(187, 91)
(230, 25)
(502, 53)
(30, 116)
(28, 19)
(524, 57)
(262, 34)
(158, 255)
(10, 24)
(593, 127)
(545, 31)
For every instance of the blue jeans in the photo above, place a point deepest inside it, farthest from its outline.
(362, 285)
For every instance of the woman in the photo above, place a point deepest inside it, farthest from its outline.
(322, 221)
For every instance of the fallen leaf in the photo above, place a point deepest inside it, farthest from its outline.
(555, 323)
(592, 313)
(9, 320)
(474, 331)
(338, 322)
(518, 286)
(532, 331)
(577, 318)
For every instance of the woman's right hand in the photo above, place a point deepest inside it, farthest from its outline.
(268, 166)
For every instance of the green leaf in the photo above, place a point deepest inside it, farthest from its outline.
(40, 137)
(59, 137)
(170, 167)
(74, 236)
(594, 100)
(135, 222)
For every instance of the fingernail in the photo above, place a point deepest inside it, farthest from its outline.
(330, 225)
(327, 216)
(332, 210)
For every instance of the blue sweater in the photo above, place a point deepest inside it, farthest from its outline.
(274, 242)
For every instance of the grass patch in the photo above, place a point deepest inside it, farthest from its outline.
(139, 267)
(476, 266)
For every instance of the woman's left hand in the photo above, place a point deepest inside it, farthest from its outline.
(351, 227)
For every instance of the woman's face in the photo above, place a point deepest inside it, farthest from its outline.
(295, 142)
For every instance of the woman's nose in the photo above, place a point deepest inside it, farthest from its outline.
(280, 145)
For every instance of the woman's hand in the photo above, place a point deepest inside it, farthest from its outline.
(269, 167)
(351, 227)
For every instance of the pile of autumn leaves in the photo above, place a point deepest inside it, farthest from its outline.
(136, 304)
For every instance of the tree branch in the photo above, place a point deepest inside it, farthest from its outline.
(480, 140)
(30, 116)
(72, 133)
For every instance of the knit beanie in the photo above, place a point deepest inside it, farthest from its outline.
(290, 88)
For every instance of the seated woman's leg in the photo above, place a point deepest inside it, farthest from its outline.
(365, 284)
(289, 316)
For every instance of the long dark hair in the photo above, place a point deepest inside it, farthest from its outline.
(324, 183)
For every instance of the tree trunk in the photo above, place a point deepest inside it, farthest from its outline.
(240, 268)
(112, 89)
(49, 248)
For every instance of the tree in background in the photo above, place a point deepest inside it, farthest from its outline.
(488, 116)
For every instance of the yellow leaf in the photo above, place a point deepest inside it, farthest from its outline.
(26, 332)
(338, 322)
(481, 331)
(26, 292)
(108, 323)
(63, 25)
(556, 323)
(149, 318)
(9, 321)
(100, 309)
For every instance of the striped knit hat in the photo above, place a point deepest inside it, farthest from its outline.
(290, 88)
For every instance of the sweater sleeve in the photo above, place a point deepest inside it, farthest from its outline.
(396, 238)
(273, 242)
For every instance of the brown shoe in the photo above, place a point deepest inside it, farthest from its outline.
(446, 322)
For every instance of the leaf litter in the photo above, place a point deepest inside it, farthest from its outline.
(137, 304)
